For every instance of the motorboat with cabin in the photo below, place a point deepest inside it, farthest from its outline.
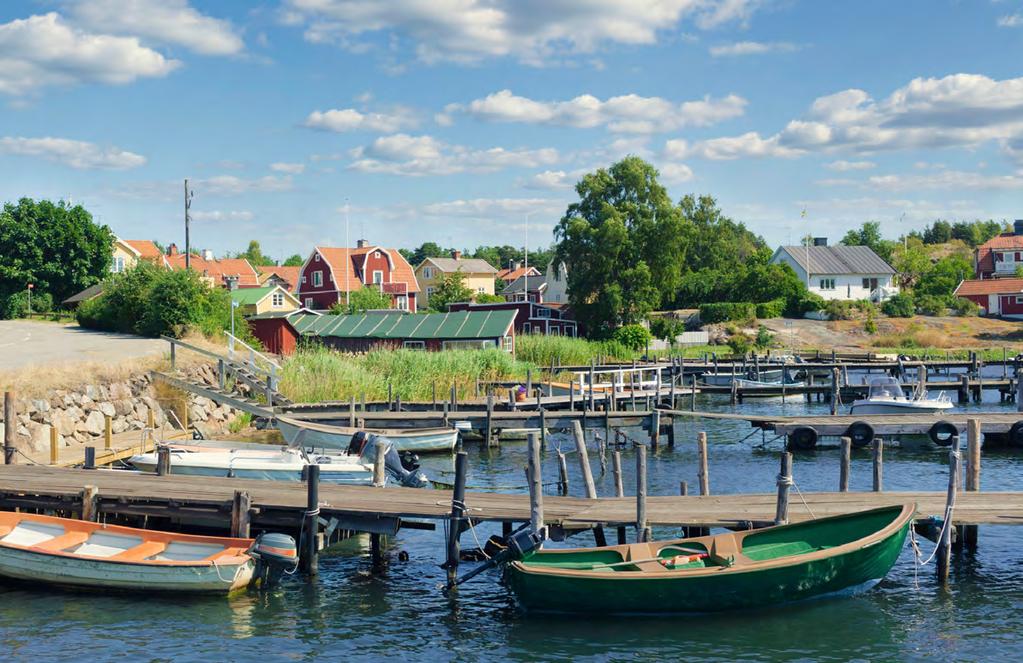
(885, 396)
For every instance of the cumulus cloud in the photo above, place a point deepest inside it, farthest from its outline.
(44, 50)
(752, 48)
(959, 110)
(843, 166)
(290, 168)
(230, 185)
(220, 215)
(530, 30)
(629, 113)
(161, 21)
(489, 207)
(74, 153)
(1011, 20)
(402, 154)
(945, 180)
(349, 119)
(549, 180)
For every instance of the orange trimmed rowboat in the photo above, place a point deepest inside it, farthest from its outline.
(82, 554)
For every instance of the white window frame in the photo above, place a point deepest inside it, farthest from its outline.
(303, 280)
(554, 331)
(401, 302)
(427, 272)
(414, 345)
(507, 343)
(309, 303)
(277, 300)
(1019, 300)
(826, 284)
(378, 277)
(317, 257)
(317, 279)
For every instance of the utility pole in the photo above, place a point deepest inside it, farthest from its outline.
(348, 265)
(188, 219)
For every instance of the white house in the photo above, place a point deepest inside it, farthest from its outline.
(840, 272)
(557, 283)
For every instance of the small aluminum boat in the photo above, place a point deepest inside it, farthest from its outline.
(329, 436)
(726, 379)
(82, 554)
(271, 464)
(886, 397)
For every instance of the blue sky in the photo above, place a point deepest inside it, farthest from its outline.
(451, 120)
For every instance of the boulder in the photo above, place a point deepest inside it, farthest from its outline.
(141, 412)
(88, 404)
(107, 409)
(64, 422)
(197, 413)
(123, 407)
(75, 413)
(95, 423)
(202, 402)
(119, 425)
(40, 437)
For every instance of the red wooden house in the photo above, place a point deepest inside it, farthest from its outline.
(330, 273)
(997, 297)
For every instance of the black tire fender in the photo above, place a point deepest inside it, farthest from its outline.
(1016, 434)
(861, 433)
(943, 432)
(803, 438)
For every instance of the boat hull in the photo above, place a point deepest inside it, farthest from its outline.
(323, 436)
(720, 589)
(896, 407)
(327, 475)
(726, 379)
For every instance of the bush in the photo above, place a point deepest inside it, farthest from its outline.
(772, 309)
(727, 311)
(899, 306)
(541, 350)
(931, 305)
(764, 337)
(964, 307)
(16, 305)
(632, 336)
(484, 298)
(666, 327)
(870, 325)
(740, 344)
(807, 303)
(838, 309)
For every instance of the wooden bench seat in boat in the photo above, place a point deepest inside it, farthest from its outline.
(63, 542)
(726, 551)
(141, 552)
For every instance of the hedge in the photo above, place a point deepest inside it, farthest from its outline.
(772, 309)
(727, 312)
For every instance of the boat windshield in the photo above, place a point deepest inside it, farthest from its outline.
(886, 387)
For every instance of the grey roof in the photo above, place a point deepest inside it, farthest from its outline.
(839, 259)
(467, 265)
(91, 292)
(535, 283)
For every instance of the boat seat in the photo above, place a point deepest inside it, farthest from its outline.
(725, 550)
(644, 551)
(141, 551)
(63, 541)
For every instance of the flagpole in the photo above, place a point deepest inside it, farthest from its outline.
(806, 244)
(348, 258)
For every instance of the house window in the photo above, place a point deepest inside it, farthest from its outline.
(414, 345)
(118, 265)
(303, 280)
(478, 344)
(481, 290)
(278, 300)
(378, 277)
(427, 272)
(402, 302)
(543, 312)
(309, 302)
(317, 279)
(376, 254)
(430, 290)
(1019, 300)
(317, 257)
(555, 331)
(827, 284)
(506, 343)
(526, 328)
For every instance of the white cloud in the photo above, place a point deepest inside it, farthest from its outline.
(626, 113)
(44, 50)
(349, 119)
(530, 30)
(488, 207)
(549, 180)
(161, 21)
(74, 153)
(229, 185)
(1011, 20)
(752, 48)
(290, 168)
(749, 144)
(675, 172)
(843, 166)
(945, 180)
(402, 154)
(219, 215)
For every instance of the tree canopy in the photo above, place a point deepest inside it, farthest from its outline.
(499, 257)
(56, 247)
(254, 254)
(869, 234)
(294, 260)
(451, 289)
(362, 300)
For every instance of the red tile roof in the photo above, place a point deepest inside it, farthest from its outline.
(146, 248)
(509, 275)
(344, 264)
(219, 269)
(985, 256)
(289, 275)
(989, 287)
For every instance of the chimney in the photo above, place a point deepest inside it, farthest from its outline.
(207, 255)
(172, 250)
(361, 244)
(1017, 227)
(457, 255)
(232, 282)
(820, 241)
(518, 264)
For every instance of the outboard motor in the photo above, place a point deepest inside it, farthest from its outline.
(410, 477)
(275, 554)
(409, 460)
(358, 443)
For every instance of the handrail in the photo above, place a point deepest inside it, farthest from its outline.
(214, 355)
(252, 352)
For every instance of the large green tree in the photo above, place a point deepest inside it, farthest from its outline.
(254, 254)
(869, 234)
(623, 241)
(56, 247)
(362, 300)
(451, 289)
(294, 260)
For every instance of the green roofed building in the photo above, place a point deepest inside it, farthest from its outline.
(395, 329)
(268, 299)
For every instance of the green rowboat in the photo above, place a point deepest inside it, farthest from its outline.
(828, 556)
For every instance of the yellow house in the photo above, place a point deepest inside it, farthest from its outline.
(128, 252)
(479, 275)
(270, 299)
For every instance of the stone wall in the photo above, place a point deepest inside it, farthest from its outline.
(80, 415)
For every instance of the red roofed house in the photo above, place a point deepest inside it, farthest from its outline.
(1000, 256)
(286, 277)
(1001, 297)
(128, 253)
(329, 273)
(515, 271)
(227, 272)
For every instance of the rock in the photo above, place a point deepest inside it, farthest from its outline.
(123, 407)
(40, 437)
(202, 402)
(41, 405)
(25, 407)
(88, 404)
(141, 412)
(161, 417)
(64, 423)
(197, 413)
(107, 409)
(217, 414)
(120, 391)
(23, 419)
(94, 424)
(119, 425)
(74, 413)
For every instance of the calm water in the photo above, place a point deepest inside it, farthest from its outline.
(351, 614)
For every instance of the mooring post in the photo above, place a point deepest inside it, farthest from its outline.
(163, 461)
(878, 464)
(241, 506)
(701, 448)
(945, 543)
(616, 469)
(571, 395)
(562, 474)
(488, 435)
(655, 429)
(973, 448)
(671, 432)
(543, 428)
(108, 438)
(173, 356)
(454, 398)
(641, 528)
(529, 382)
(781, 511)
(397, 402)
(311, 521)
(535, 484)
(90, 503)
(511, 400)
(834, 391)
(964, 389)
(683, 488)
(1019, 392)
(843, 476)
(10, 427)
(90, 458)
(584, 461)
(457, 515)
(592, 394)
(351, 411)
(379, 478)
(692, 394)
(55, 445)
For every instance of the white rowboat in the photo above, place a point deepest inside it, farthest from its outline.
(328, 436)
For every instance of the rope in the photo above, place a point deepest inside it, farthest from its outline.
(783, 480)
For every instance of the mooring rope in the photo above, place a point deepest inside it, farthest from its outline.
(787, 480)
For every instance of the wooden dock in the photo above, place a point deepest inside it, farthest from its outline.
(197, 500)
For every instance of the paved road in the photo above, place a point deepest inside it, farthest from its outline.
(24, 343)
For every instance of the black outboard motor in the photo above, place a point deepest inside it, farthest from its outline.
(410, 477)
(275, 554)
(358, 443)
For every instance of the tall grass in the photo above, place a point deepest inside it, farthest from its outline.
(541, 350)
(318, 374)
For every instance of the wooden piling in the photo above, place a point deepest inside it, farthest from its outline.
(592, 394)
(835, 397)
(10, 426)
(562, 474)
(683, 488)
(964, 389)
(108, 438)
(584, 461)
(311, 522)
(945, 543)
(616, 468)
(655, 429)
(781, 511)
(843, 476)
(571, 395)
(973, 448)
(543, 428)
(457, 515)
(454, 398)
(641, 528)
(351, 411)
(535, 485)
(379, 478)
(150, 419)
(692, 395)
(529, 382)
(163, 461)
(878, 464)
(701, 449)
(90, 503)
(241, 514)
(488, 435)
(55, 445)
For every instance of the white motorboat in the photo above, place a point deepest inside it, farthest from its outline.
(886, 397)
(726, 379)
(329, 436)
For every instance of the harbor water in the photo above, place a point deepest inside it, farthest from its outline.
(352, 614)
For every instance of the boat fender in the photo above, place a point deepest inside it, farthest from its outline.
(861, 433)
(803, 437)
(943, 432)
(1016, 434)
